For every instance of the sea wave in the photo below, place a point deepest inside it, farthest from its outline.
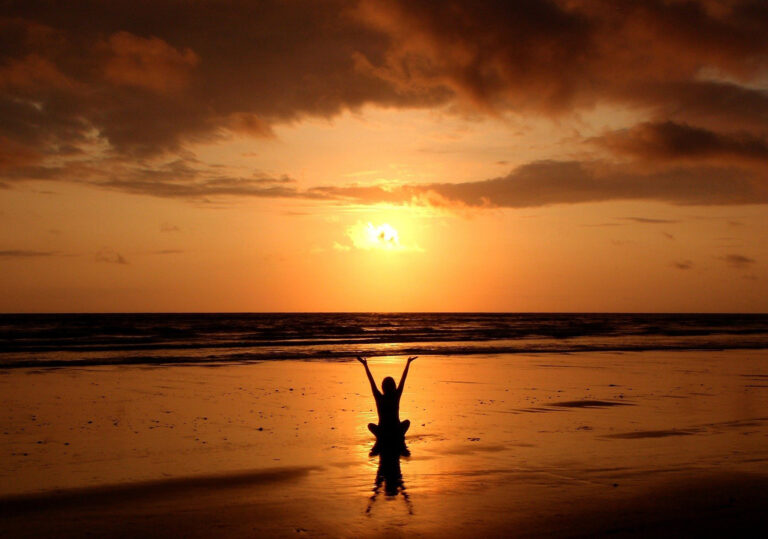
(152, 339)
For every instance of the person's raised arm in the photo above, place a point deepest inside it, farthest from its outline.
(370, 377)
(405, 374)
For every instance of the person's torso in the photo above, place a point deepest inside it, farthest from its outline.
(388, 407)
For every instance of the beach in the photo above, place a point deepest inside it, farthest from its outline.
(641, 443)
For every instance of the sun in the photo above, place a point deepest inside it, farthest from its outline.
(368, 236)
(383, 236)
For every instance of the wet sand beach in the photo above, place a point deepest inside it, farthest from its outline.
(627, 444)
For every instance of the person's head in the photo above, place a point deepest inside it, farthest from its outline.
(388, 385)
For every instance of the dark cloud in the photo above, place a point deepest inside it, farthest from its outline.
(738, 261)
(490, 53)
(23, 253)
(148, 63)
(141, 80)
(553, 56)
(669, 140)
(711, 104)
(146, 77)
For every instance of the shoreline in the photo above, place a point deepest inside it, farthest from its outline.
(391, 349)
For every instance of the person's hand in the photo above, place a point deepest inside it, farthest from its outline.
(412, 358)
(362, 360)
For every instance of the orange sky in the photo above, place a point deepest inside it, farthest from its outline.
(366, 156)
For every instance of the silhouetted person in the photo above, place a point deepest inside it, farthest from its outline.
(390, 429)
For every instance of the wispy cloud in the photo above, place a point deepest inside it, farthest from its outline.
(544, 183)
(169, 227)
(24, 253)
(203, 187)
(649, 221)
(110, 256)
(539, 183)
(682, 264)
(737, 260)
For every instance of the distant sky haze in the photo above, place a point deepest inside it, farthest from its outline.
(563, 155)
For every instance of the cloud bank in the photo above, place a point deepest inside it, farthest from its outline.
(112, 93)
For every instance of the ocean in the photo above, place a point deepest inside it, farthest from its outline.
(29, 340)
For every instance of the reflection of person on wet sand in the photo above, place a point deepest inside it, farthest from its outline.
(390, 477)
(390, 429)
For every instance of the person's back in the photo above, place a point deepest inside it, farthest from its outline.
(388, 404)
(388, 407)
